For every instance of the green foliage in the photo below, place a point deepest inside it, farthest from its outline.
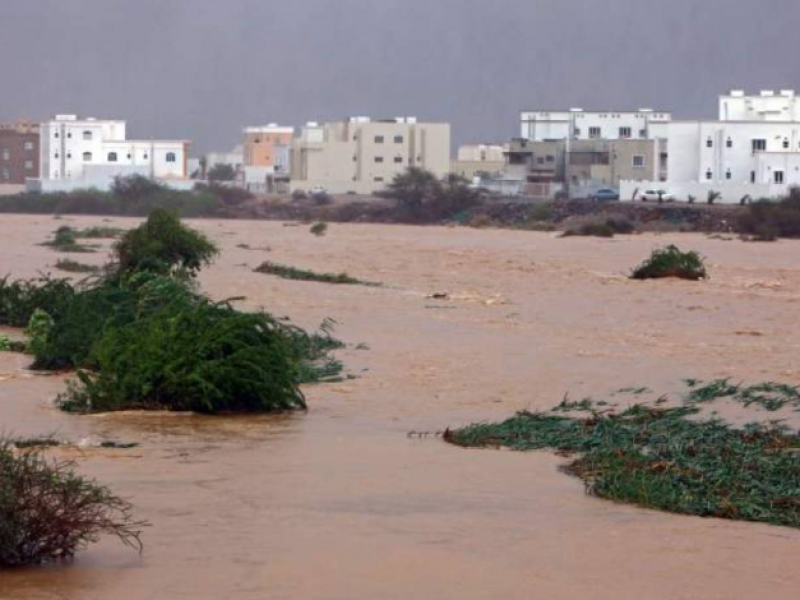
(713, 196)
(99, 232)
(163, 245)
(421, 195)
(130, 196)
(9, 345)
(38, 331)
(66, 240)
(665, 458)
(221, 172)
(20, 299)
(205, 358)
(284, 272)
(671, 262)
(767, 220)
(72, 266)
(229, 195)
(769, 395)
(48, 512)
(319, 229)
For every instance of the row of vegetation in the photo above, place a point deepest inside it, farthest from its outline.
(140, 336)
(293, 273)
(664, 457)
(129, 196)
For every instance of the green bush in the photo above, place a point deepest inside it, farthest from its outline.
(48, 513)
(284, 272)
(162, 245)
(671, 262)
(319, 229)
(208, 358)
(72, 266)
(20, 299)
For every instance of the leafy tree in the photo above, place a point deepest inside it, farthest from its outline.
(135, 188)
(163, 245)
(422, 195)
(221, 172)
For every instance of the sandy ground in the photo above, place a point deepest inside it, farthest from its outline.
(341, 504)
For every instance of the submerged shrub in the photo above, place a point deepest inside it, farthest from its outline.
(206, 358)
(20, 299)
(65, 239)
(671, 262)
(163, 244)
(284, 272)
(665, 458)
(72, 266)
(319, 229)
(767, 220)
(48, 512)
(606, 228)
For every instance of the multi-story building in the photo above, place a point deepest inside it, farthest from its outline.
(753, 149)
(481, 161)
(234, 159)
(363, 156)
(267, 157)
(577, 124)
(90, 153)
(19, 153)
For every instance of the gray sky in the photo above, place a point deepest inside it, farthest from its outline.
(203, 69)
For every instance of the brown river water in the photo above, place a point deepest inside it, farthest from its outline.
(340, 503)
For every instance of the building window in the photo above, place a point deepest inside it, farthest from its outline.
(550, 158)
(643, 133)
(540, 160)
(29, 165)
(257, 141)
(759, 145)
(786, 143)
(56, 135)
(778, 176)
(577, 132)
(398, 139)
(398, 160)
(87, 135)
(638, 161)
(625, 133)
(69, 154)
(145, 156)
(87, 157)
(729, 143)
(378, 159)
(379, 139)
(594, 132)
(29, 146)
(69, 135)
(171, 157)
(112, 157)
(378, 179)
(728, 174)
(129, 156)
(58, 155)
(709, 143)
(6, 174)
(752, 176)
(709, 175)
(6, 154)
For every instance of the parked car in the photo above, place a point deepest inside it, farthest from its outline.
(318, 190)
(657, 195)
(605, 195)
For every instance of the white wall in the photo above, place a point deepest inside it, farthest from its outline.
(542, 126)
(732, 193)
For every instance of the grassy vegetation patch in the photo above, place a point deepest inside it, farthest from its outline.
(284, 272)
(48, 512)
(769, 395)
(606, 228)
(319, 229)
(65, 239)
(73, 266)
(671, 262)
(667, 458)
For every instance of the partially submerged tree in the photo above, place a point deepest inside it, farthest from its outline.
(671, 262)
(48, 512)
(163, 245)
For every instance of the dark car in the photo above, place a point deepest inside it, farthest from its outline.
(605, 195)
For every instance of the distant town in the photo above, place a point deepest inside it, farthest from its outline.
(751, 151)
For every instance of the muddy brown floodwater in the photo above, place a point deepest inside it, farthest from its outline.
(341, 504)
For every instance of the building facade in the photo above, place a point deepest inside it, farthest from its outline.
(81, 153)
(577, 124)
(753, 149)
(363, 156)
(481, 161)
(267, 157)
(19, 153)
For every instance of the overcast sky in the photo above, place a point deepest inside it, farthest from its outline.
(203, 69)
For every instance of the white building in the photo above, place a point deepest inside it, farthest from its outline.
(752, 150)
(363, 156)
(90, 153)
(577, 124)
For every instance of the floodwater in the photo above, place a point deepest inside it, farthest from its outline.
(340, 503)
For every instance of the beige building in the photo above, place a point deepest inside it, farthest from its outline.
(363, 156)
(480, 161)
(266, 157)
